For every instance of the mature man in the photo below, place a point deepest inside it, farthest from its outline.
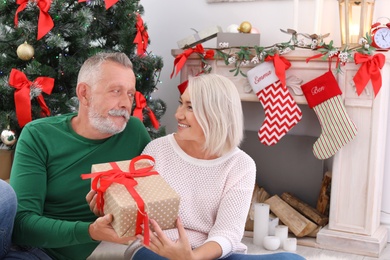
(53, 219)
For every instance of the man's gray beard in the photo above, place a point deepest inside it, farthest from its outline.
(104, 124)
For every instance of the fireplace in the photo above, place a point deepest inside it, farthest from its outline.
(357, 168)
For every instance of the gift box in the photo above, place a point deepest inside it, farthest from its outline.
(229, 40)
(160, 201)
(199, 37)
(6, 158)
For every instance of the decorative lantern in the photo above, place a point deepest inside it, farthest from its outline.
(355, 19)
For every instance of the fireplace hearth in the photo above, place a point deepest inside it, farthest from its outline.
(357, 168)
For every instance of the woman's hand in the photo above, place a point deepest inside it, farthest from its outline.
(163, 246)
(91, 200)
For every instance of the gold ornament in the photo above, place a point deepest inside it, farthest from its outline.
(8, 137)
(245, 27)
(25, 51)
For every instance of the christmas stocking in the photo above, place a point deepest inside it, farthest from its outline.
(323, 95)
(281, 111)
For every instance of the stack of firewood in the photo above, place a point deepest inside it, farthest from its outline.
(301, 219)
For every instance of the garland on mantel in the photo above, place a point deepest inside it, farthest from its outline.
(363, 53)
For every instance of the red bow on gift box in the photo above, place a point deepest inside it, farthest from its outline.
(370, 69)
(18, 80)
(45, 23)
(281, 64)
(181, 59)
(108, 3)
(140, 104)
(142, 37)
(102, 180)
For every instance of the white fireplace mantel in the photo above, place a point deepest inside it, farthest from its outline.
(357, 168)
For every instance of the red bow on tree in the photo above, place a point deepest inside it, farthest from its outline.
(142, 37)
(140, 104)
(181, 59)
(108, 3)
(281, 64)
(370, 69)
(18, 80)
(45, 23)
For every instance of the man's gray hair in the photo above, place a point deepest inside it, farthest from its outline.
(90, 70)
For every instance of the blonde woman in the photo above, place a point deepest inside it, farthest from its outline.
(202, 161)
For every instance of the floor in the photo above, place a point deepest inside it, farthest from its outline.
(311, 253)
(107, 250)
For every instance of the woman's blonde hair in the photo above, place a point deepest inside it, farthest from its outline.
(217, 107)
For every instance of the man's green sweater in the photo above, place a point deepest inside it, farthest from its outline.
(49, 159)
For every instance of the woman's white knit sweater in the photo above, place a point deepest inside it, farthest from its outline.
(215, 194)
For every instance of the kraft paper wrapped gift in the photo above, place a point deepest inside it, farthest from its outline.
(229, 40)
(161, 202)
(199, 37)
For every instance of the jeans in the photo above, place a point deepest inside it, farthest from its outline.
(8, 206)
(144, 253)
(26, 253)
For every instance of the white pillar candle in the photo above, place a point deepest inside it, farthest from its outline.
(260, 223)
(290, 244)
(271, 243)
(273, 222)
(281, 231)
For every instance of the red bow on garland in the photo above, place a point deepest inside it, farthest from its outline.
(370, 69)
(18, 80)
(108, 3)
(281, 64)
(142, 37)
(181, 59)
(45, 23)
(140, 104)
(102, 180)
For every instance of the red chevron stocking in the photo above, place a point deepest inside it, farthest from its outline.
(281, 111)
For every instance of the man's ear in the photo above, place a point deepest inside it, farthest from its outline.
(83, 93)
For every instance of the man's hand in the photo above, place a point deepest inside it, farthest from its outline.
(101, 230)
(91, 200)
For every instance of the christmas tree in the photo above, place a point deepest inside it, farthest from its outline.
(43, 43)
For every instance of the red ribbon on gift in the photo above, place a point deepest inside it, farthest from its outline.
(108, 3)
(102, 180)
(281, 64)
(45, 23)
(142, 37)
(18, 80)
(370, 69)
(140, 104)
(181, 59)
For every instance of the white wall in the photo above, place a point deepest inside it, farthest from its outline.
(171, 20)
